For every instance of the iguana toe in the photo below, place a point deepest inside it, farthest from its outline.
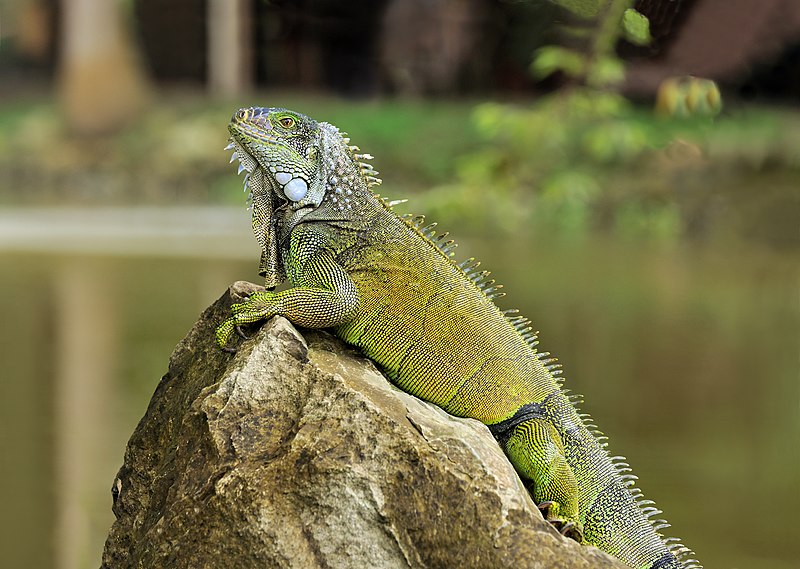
(224, 331)
(572, 530)
(567, 528)
(544, 507)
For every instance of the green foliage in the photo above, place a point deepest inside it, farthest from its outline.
(636, 27)
(577, 161)
(563, 156)
(606, 71)
(552, 58)
(595, 63)
(583, 8)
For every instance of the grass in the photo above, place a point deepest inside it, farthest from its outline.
(173, 153)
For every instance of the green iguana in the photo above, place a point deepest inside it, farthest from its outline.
(388, 285)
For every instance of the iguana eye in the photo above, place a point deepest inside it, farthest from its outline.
(286, 122)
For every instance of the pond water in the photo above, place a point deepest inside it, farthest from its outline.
(687, 356)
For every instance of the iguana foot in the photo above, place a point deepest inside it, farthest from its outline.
(567, 528)
(259, 306)
(240, 333)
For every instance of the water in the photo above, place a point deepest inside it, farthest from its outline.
(687, 356)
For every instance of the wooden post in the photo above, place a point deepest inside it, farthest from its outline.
(86, 350)
(229, 51)
(101, 81)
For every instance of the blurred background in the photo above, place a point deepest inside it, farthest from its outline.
(630, 170)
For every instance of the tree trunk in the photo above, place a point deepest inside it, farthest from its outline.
(229, 57)
(102, 85)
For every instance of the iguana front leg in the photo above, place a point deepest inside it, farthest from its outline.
(326, 296)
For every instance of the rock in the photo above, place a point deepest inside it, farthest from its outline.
(297, 452)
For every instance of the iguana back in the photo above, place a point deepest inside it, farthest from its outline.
(388, 285)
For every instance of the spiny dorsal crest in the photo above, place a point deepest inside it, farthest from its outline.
(367, 169)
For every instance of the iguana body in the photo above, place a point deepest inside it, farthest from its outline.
(389, 286)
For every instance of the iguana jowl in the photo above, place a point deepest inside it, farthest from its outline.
(388, 284)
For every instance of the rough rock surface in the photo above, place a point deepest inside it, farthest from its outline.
(297, 452)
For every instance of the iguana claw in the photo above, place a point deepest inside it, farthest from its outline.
(570, 529)
(544, 507)
(566, 528)
(241, 333)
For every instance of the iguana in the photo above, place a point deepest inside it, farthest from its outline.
(388, 284)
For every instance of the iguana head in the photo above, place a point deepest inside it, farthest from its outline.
(279, 151)
(284, 143)
(297, 169)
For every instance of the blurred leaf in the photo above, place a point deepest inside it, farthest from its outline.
(615, 141)
(481, 167)
(570, 187)
(582, 8)
(671, 98)
(567, 199)
(636, 27)
(476, 206)
(550, 59)
(660, 221)
(489, 118)
(591, 103)
(606, 71)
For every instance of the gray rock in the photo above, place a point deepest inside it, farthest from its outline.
(297, 452)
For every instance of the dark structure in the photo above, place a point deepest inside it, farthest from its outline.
(753, 47)
(436, 47)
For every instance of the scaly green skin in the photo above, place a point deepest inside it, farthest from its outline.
(389, 286)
